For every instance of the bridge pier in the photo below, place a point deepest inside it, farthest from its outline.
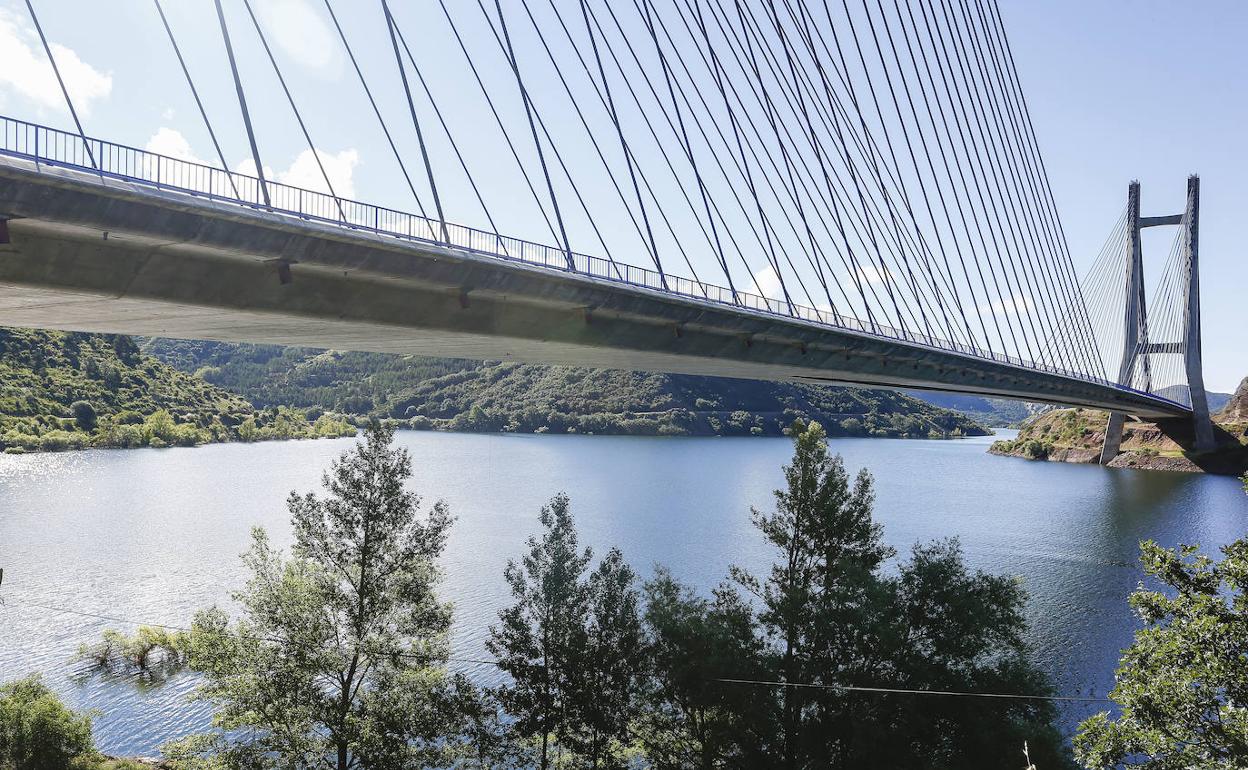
(1195, 362)
(1133, 320)
(1136, 344)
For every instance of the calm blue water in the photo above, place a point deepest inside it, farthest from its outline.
(153, 535)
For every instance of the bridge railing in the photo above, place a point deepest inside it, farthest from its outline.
(53, 147)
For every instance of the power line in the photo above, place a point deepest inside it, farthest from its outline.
(479, 661)
(903, 691)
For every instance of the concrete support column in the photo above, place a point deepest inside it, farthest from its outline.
(1131, 320)
(1113, 437)
(1195, 366)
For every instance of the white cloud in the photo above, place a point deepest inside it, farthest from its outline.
(171, 142)
(25, 69)
(298, 29)
(768, 283)
(1016, 304)
(873, 274)
(304, 171)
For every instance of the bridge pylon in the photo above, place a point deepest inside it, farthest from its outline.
(1135, 366)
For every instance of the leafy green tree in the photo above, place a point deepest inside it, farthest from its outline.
(338, 659)
(573, 646)
(149, 652)
(954, 629)
(609, 665)
(539, 638)
(830, 617)
(692, 719)
(84, 415)
(816, 600)
(1182, 685)
(37, 731)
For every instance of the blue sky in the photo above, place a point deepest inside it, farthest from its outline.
(1118, 91)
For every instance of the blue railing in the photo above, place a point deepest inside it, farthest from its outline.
(53, 147)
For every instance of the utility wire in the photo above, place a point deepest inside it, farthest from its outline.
(903, 691)
(433, 657)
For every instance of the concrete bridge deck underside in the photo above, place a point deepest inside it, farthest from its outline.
(102, 255)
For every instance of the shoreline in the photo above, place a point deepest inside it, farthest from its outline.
(22, 452)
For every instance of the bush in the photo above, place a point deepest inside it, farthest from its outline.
(1036, 450)
(84, 415)
(128, 417)
(60, 440)
(160, 425)
(150, 652)
(37, 731)
(187, 435)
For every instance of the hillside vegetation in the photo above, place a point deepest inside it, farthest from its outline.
(442, 394)
(70, 390)
(1076, 435)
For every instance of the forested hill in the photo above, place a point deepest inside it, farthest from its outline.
(449, 394)
(68, 390)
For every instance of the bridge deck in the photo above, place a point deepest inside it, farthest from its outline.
(98, 252)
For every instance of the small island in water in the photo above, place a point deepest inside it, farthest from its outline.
(73, 390)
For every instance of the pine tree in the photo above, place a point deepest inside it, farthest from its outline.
(693, 719)
(816, 599)
(609, 665)
(539, 639)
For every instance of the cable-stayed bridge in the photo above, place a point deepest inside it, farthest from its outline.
(853, 193)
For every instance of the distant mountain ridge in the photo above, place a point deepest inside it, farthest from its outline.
(451, 394)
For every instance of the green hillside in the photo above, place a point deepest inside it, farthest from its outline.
(69, 390)
(447, 394)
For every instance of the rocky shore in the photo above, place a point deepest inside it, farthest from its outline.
(1076, 435)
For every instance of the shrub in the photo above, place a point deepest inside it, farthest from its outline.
(84, 415)
(150, 652)
(1035, 450)
(187, 435)
(128, 417)
(160, 425)
(420, 422)
(60, 440)
(37, 731)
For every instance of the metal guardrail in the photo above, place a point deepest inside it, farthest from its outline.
(52, 147)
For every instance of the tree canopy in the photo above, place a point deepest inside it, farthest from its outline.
(1182, 685)
(339, 657)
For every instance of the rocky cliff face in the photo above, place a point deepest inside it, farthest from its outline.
(1236, 410)
(1075, 436)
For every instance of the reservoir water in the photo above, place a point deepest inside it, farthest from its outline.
(152, 535)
